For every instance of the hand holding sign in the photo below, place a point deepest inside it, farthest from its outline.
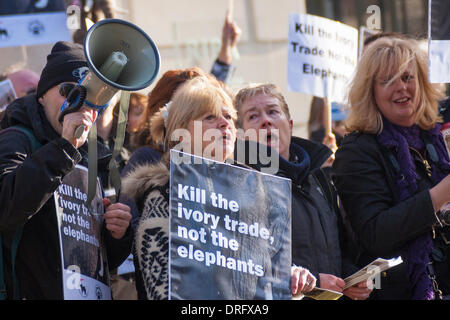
(83, 258)
(117, 218)
(229, 232)
(86, 117)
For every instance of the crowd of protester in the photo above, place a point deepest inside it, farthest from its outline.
(383, 193)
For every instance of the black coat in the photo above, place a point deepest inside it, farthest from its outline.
(365, 179)
(27, 183)
(317, 235)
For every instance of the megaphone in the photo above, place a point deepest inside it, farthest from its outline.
(120, 56)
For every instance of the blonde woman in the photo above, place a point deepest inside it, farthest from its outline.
(392, 171)
(200, 119)
(198, 102)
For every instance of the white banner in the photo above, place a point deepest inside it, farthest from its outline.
(322, 56)
(7, 94)
(84, 263)
(364, 33)
(33, 29)
(439, 61)
(439, 41)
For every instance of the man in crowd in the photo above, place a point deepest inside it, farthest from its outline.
(29, 176)
(316, 238)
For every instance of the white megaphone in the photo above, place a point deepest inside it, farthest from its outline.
(120, 56)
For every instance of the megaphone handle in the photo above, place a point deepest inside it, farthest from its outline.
(75, 100)
(79, 131)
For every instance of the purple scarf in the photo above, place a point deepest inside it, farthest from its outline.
(416, 253)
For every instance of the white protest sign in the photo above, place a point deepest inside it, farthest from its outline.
(439, 41)
(364, 33)
(83, 258)
(7, 94)
(33, 28)
(322, 56)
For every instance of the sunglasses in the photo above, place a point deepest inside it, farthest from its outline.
(65, 88)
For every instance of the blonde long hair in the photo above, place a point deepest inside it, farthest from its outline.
(381, 58)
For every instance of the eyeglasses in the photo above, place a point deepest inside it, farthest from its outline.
(65, 88)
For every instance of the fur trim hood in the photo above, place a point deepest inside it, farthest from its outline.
(139, 180)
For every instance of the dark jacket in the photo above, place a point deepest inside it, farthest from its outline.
(27, 183)
(445, 109)
(316, 226)
(141, 157)
(364, 176)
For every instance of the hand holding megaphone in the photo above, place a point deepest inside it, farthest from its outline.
(81, 121)
(120, 56)
(111, 70)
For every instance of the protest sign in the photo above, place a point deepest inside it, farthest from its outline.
(24, 22)
(364, 33)
(439, 41)
(85, 268)
(322, 56)
(7, 94)
(230, 232)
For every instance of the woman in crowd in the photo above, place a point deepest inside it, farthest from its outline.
(319, 243)
(199, 100)
(136, 113)
(150, 150)
(392, 171)
(158, 97)
(147, 149)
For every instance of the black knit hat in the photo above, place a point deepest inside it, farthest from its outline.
(66, 63)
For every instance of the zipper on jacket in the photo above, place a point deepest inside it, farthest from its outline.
(301, 190)
(424, 161)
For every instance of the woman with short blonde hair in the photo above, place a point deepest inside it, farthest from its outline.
(192, 100)
(200, 100)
